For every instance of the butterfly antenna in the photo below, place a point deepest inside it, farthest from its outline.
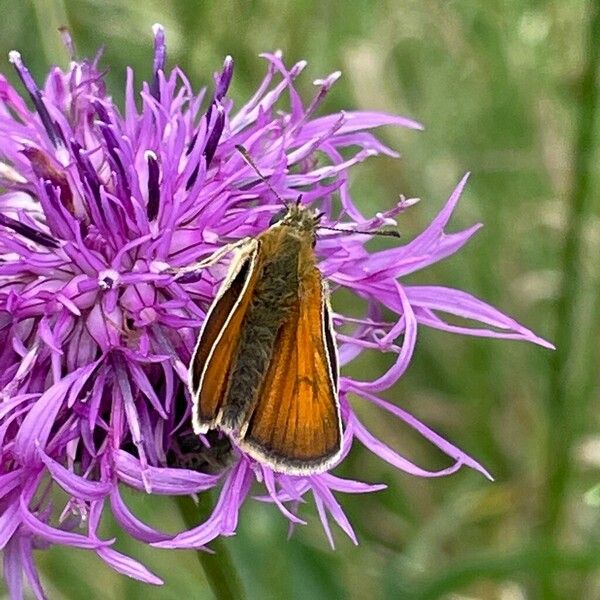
(379, 232)
(248, 159)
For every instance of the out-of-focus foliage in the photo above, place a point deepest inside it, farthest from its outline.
(497, 85)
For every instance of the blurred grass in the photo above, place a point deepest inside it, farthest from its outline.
(497, 85)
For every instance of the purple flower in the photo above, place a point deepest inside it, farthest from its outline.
(98, 206)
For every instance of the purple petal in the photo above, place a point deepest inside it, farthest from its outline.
(393, 458)
(163, 480)
(349, 486)
(128, 566)
(95, 515)
(408, 346)
(36, 426)
(13, 569)
(401, 261)
(29, 567)
(381, 449)
(323, 517)
(445, 446)
(10, 519)
(431, 246)
(269, 480)
(447, 245)
(429, 318)
(465, 305)
(102, 324)
(422, 242)
(335, 510)
(357, 121)
(9, 481)
(236, 488)
(247, 115)
(48, 337)
(130, 523)
(195, 538)
(142, 381)
(223, 519)
(57, 536)
(75, 485)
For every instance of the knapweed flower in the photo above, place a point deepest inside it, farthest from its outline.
(99, 208)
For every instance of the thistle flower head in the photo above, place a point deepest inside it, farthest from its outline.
(98, 206)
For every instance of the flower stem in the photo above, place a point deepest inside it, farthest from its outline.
(219, 569)
(567, 398)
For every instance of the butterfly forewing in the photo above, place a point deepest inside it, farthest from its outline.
(215, 350)
(295, 424)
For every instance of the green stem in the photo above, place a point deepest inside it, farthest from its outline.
(567, 400)
(219, 569)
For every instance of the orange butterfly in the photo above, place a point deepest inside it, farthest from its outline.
(265, 367)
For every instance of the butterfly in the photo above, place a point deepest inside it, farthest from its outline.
(265, 366)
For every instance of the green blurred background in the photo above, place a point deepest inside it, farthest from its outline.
(507, 89)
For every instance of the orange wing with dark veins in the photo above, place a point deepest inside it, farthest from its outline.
(295, 425)
(215, 350)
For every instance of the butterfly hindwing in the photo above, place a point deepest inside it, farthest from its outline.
(295, 424)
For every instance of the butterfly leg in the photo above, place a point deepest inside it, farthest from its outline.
(211, 260)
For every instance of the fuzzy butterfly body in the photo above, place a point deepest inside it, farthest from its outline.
(265, 366)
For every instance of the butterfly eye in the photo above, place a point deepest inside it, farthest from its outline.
(277, 217)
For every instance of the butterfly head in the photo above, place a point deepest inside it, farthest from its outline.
(298, 217)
